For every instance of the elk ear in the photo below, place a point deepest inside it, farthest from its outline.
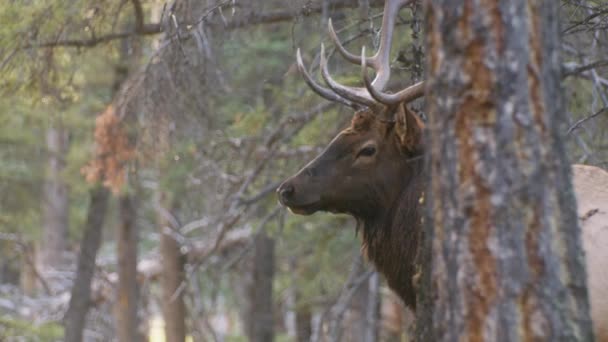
(409, 128)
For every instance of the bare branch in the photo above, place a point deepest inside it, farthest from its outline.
(267, 190)
(583, 120)
(573, 69)
(142, 29)
(147, 29)
(286, 15)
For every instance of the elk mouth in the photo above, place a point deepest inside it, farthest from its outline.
(299, 200)
(302, 209)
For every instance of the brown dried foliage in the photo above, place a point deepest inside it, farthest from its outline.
(112, 152)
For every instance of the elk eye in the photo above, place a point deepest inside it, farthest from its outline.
(367, 151)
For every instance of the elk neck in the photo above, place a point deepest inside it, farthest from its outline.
(391, 237)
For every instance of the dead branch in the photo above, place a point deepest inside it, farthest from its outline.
(142, 29)
(573, 69)
(585, 119)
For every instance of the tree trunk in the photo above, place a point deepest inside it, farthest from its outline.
(372, 309)
(261, 323)
(507, 260)
(298, 316)
(75, 318)
(28, 277)
(172, 278)
(303, 321)
(126, 303)
(362, 319)
(55, 201)
(354, 326)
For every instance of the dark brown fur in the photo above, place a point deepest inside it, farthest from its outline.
(382, 191)
(392, 242)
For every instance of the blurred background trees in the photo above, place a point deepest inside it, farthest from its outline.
(142, 141)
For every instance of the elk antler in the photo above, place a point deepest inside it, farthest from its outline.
(381, 60)
(405, 95)
(324, 92)
(355, 94)
(372, 94)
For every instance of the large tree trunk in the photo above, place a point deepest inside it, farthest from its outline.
(80, 298)
(507, 260)
(127, 292)
(172, 279)
(55, 201)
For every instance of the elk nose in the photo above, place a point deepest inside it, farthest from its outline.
(285, 191)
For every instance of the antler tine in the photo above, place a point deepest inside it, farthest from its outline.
(355, 94)
(381, 60)
(324, 92)
(382, 56)
(371, 95)
(406, 95)
(341, 49)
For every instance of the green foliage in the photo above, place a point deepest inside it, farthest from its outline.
(40, 88)
(26, 331)
(249, 122)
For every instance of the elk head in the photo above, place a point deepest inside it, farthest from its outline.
(364, 168)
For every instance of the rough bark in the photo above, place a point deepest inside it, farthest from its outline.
(126, 303)
(261, 323)
(172, 279)
(507, 260)
(55, 201)
(80, 298)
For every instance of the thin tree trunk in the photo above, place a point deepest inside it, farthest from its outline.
(28, 276)
(298, 317)
(55, 201)
(172, 279)
(348, 304)
(75, 318)
(303, 321)
(261, 323)
(361, 322)
(126, 303)
(507, 263)
(372, 312)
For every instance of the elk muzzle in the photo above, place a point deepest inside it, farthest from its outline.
(300, 193)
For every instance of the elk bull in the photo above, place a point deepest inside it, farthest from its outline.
(373, 170)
